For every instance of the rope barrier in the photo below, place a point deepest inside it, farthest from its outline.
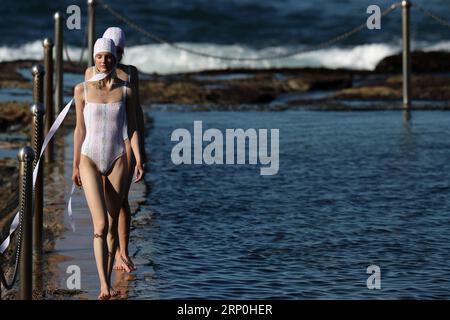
(432, 15)
(83, 48)
(66, 52)
(269, 57)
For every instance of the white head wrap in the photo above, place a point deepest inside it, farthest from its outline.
(105, 45)
(117, 35)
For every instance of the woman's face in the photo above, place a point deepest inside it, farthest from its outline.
(104, 61)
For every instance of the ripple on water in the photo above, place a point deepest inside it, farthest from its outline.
(353, 190)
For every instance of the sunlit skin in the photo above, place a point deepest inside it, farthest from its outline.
(104, 194)
(123, 260)
(104, 61)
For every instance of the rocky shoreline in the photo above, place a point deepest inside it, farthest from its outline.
(233, 87)
(303, 86)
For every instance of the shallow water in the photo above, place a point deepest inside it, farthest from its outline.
(353, 190)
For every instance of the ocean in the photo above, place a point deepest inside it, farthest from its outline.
(233, 28)
(354, 189)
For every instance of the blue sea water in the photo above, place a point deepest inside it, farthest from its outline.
(353, 190)
(255, 22)
(236, 28)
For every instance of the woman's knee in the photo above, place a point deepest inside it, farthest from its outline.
(125, 203)
(100, 230)
(113, 220)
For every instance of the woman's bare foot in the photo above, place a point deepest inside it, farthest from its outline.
(104, 293)
(119, 265)
(113, 292)
(124, 263)
(127, 261)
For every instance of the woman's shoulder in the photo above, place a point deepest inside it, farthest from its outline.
(79, 89)
(129, 71)
(88, 73)
(122, 72)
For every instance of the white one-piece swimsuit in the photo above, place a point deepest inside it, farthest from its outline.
(125, 127)
(105, 124)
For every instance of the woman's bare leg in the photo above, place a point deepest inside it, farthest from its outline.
(123, 261)
(115, 185)
(93, 190)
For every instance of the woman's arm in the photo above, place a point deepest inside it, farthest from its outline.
(139, 112)
(133, 133)
(79, 132)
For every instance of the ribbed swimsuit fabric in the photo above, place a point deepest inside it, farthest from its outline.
(105, 123)
(125, 127)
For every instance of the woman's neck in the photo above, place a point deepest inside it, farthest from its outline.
(108, 79)
(108, 72)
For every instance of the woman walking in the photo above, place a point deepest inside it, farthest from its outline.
(127, 73)
(100, 161)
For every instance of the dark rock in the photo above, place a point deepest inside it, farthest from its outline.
(421, 62)
(14, 113)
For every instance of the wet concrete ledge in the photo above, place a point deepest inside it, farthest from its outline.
(75, 248)
(62, 247)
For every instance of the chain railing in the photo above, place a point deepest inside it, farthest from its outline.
(319, 46)
(8, 273)
(29, 190)
(23, 220)
(8, 276)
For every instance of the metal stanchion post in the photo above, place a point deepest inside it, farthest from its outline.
(38, 114)
(26, 157)
(48, 96)
(59, 61)
(406, 5)
(38, 83)
(38, 111)
(91, 31)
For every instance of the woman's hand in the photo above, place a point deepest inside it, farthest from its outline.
(76, 177)
(138, 172)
